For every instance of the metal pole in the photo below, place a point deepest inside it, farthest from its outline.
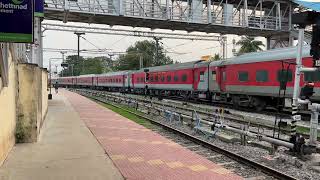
(79, 34)
(245, 13)
(314, 124)
(79, 52)
(72, 69)
(50, 74)
(141, 61)
(209, 13)
(157, 48)
(225, 47)
(295, 116)
(279, 14)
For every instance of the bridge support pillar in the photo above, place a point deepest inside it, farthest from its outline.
(36, 48)
(119, 7)
(196, 11)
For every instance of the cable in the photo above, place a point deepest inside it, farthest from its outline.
(120, 39)
(182, 44)
(91, 43)
(167, 47)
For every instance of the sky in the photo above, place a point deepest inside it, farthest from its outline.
(192, 50)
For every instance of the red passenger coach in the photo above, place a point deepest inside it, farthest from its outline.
(85, 80)
(66, 81)
(113, 81)
(175, 79)
(249, 80)
(254, 79)
(137, 81)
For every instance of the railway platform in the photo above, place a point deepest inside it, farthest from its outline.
(116, 148)
(66, 150)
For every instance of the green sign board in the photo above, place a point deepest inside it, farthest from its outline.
(16, 17)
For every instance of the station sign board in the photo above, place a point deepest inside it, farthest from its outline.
(38, 8)
(16, 17)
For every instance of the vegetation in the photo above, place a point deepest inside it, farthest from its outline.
(95, 65)
(22, 131)
(249, 44)
(216, 57)
(128, 115)
(147, 50)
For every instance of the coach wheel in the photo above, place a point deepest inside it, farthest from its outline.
(235, 102)
(259, 104)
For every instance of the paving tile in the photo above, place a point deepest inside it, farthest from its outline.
(141, 154)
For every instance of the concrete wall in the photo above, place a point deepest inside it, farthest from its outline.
(44, 91)
(23, 103)
(8, 111)
(32, 102)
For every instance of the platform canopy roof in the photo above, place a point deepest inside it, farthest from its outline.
(310, 4)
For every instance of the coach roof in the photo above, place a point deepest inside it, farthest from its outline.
(263, 56)
(169, 67)
(113, 73)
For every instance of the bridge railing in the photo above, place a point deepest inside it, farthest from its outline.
(175, 11)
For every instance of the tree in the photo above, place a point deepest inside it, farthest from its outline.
(95, 65)
(77, 66)
(145, 50)
(249, 44)
(216, 57)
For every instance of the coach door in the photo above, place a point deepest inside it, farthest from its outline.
(222, 78)
(132, 82)
(124, 83)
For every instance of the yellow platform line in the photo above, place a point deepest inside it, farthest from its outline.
(172, 164)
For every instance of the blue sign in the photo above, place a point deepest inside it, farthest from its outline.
(16, 17)
(38, 8)
(310, 4)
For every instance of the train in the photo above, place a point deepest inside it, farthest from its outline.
(254, 80)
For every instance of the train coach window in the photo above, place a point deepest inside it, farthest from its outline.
(224, 76)
(243, 76)
(176, 78)
(162, 78)
(184, 78)
(151, 78)
(168, 78)
(284, 75)
(141, 79)
(312, 76)
(214, 75)
(202, 76)
(262, 76)
(156, 78)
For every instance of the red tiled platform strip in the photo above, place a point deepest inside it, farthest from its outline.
(141, 154)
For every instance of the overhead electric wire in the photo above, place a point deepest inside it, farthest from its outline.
(182, 44)
(91, 43)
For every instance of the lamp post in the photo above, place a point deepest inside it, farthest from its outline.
(50, 77)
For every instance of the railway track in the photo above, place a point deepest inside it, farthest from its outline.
(255, 125)
(243, 166)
